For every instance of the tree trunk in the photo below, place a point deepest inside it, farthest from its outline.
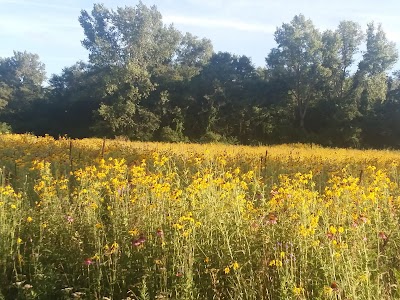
(302, 123)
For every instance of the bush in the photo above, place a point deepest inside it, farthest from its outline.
(5, 128)
(213, 137)
(169, 135)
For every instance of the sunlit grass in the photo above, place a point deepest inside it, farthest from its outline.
(102, 219)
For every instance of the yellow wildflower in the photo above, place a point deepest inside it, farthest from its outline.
(276, 263)
(297, 291)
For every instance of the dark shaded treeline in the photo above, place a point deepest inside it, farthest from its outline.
(146, 80)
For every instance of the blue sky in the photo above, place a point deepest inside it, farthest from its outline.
(51, 29)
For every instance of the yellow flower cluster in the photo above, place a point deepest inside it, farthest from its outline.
(220, 217)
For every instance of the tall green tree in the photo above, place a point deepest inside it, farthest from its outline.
(122, 109)
(379, 57)
(337, 107)
(339, 50)
(129, 34)
(297, 60)
(220, 94)
(126, 45)
(138, 54)
(71, 97)
(373, 82)
(21, 84)
(21, 80)
(192, 55)
(351, 37)
(173, 79)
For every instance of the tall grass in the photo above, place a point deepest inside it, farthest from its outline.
(97, 219)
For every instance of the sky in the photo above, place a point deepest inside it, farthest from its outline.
(50, 28)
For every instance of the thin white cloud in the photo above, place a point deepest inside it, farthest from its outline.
(219, 23)
(393, 36)
(26, 3)
(14, 25)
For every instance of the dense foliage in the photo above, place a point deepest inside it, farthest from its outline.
(145, 80)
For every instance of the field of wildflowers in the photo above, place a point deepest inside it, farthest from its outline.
(110, 219)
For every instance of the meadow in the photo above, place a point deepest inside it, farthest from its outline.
(111, 219)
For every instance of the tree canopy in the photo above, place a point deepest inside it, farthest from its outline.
(146, 80)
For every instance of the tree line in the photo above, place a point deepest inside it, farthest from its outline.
(145, 80)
